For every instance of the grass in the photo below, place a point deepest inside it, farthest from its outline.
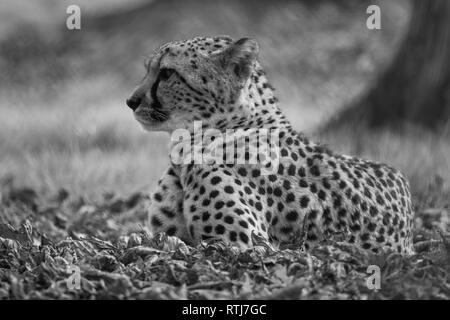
(75, 167)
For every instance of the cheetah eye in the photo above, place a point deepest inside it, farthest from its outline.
(166, 73)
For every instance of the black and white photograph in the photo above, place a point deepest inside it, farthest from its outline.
(224, 153)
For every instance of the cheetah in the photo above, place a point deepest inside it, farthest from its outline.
(312, 194)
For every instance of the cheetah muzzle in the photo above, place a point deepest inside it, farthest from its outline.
(312, 193)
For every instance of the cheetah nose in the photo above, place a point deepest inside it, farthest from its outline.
(133, 103)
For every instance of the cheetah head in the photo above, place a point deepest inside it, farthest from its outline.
(195, 80)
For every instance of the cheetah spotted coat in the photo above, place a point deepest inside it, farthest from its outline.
(312, 194)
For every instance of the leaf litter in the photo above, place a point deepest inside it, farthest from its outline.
(43, 240)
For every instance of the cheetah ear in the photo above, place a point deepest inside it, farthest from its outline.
(239, 57)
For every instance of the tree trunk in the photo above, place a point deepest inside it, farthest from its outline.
(416, 86)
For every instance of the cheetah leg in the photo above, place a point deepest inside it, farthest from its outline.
(165, 213)
(225, 225)
(222, 212)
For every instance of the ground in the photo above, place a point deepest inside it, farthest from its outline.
(75, 167)
(118, 260)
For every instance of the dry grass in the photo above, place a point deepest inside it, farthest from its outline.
(84, 146)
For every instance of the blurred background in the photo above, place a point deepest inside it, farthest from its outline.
(380, 94)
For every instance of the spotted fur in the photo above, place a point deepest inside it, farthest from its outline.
(312, 194)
